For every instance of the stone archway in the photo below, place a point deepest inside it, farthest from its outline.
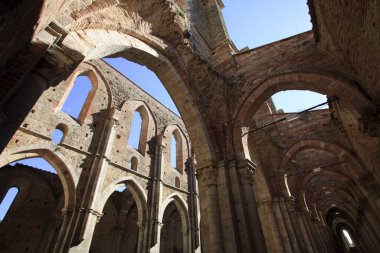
(175, 231)
(97, 43)
(322, 84)
(68, 178)
(130, 217)
(339, 151)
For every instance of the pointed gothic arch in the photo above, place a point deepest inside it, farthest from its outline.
(174, 203)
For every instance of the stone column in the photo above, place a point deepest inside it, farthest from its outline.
(155, 198)
(364, 236)
(245, 170)
(271, 228)
(372, 188)
(372, 220)
(50, 234)
(87, 215)
(319, 240)
(300, 215)
(289, 212)
(193, 206)
(211, 223)
(282, 227)
(19, 104)
(309, 227)
(141, 245)
(367, 233)
(62, 243)
(24, 80)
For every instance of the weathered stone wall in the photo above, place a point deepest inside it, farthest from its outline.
(97, 144)
(33, 221)
(350, 30)
(218, 91)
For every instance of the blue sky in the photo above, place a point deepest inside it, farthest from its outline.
(255, 23)
(250, 23)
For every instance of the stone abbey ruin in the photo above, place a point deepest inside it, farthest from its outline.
(247, 176)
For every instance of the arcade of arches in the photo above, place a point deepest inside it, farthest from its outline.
(241, 183)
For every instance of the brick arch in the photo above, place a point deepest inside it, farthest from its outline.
(339, 194)
(66, 173)
(97, 82)
(183, 211)
(136, 190)
(138, 195)
(340, 151)
(344, 179)
(339, 223)
(322, 84)
(348, 208)
(172, 74)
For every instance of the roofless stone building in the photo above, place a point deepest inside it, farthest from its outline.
(265, 181)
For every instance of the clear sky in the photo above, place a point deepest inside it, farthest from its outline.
(255, 23)
(250, 23)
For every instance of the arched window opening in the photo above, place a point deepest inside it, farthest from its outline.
(347, 239)
(145, 79)
(7, 202)
(177, 182)
(77, 97)
(173, 153)
(135, 132)
(59, 133)
(37, 163)
(57, 136)
(39, 197)
(134, 163)
(121, 188)
(297, 100)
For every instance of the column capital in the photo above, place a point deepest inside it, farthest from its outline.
(207, 175)
(246, 168)
(246, 163)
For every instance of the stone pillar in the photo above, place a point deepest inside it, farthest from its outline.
(311, 233)
(319, 240)
(141, 244)
(19, 104)
(367, 233)
(119, 237)
(245, 170)
(289, 212)
(62, 243)
(87, 215)
(26, 78)
(275, 243)
(306, 236)
(282, 226)
(51, 232)
(372, 220)
(155, 198)
(211, 223)
(193, 206)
